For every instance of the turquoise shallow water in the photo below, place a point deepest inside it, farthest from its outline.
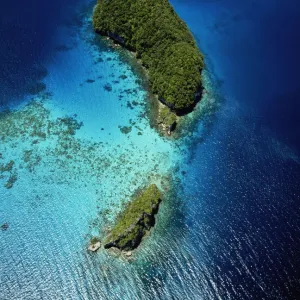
(79, 149)
(229, 228)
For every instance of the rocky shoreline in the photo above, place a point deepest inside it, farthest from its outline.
(172, 61)
(161, 117)
(135, 221)
(132, 224)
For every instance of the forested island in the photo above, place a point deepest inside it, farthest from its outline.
(163, 44)
(166, 48)
(135, 221)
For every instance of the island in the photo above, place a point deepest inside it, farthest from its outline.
(163, 44)
(165, 47)
(135, 221)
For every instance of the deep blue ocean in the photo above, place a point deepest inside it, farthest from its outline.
(76, 142)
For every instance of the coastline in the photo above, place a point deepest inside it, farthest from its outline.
(183, 60)
(153, 104)
(205, 110)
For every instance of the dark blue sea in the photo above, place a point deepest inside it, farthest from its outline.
(76, 143)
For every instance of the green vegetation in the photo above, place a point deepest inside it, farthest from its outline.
(166, 117)
(94, 240)
(134, 222)
(161, 40)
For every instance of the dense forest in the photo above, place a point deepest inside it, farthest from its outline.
(161, 41)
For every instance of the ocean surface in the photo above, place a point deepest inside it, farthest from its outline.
(76, 141)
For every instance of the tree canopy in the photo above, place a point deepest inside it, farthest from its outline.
(161, 40)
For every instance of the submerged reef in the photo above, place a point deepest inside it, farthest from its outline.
(162, 42)
(4, 226)
(135, 221)
(25, 131)
(43, 147)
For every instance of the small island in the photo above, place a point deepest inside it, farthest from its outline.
(135, 221)
(163, 44)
